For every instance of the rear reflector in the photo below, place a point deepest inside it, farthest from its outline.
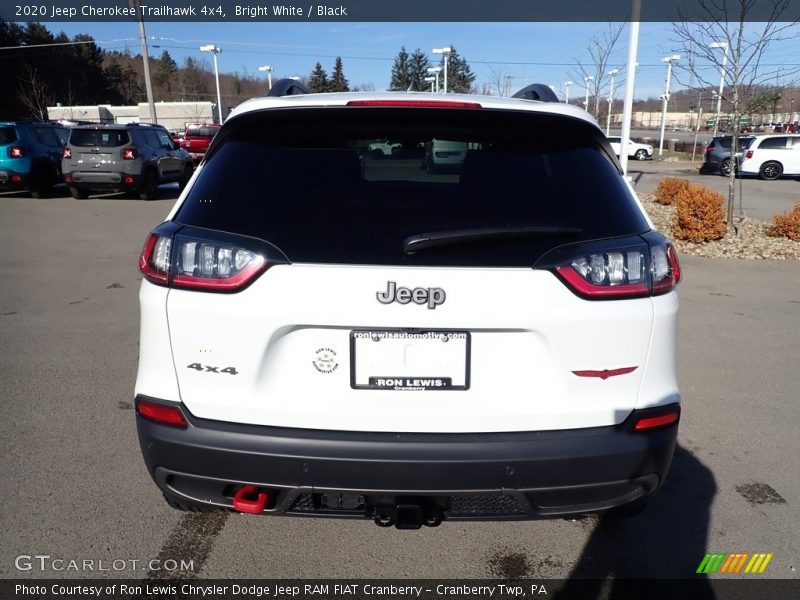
(646, 423)
(414, 103)
(128, 180)
(16, 178)
(161, 413)
(67, 178)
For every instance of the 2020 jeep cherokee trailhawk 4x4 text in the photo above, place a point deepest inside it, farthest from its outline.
(327, 332)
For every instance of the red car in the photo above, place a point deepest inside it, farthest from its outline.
(197, 139)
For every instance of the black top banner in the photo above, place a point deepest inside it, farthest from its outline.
(399, 11)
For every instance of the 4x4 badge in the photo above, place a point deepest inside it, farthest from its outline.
(433, 297)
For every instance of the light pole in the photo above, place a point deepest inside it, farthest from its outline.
(586, 81)
(214, 50)
(723, 45)
(612, 73)
(445, 52)
(431, 80)
(566, 91)
(268, 69)
(435, 71)
(670, 60)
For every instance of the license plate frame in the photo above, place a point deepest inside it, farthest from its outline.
(405, 382)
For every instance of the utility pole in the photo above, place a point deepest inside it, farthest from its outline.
(143, 39)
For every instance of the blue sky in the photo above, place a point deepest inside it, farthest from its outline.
(529, 52)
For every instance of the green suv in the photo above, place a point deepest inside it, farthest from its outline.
(30, 156)
(134, 158)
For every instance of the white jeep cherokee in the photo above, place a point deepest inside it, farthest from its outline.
(328, 333)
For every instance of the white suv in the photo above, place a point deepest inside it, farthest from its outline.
(635, 150)
(328, 334)
(772, 156)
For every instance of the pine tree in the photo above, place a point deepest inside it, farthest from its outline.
(400, 76)
(459, 74)
(165, 73)
(338, 82)
(418, 66)
(318, 80)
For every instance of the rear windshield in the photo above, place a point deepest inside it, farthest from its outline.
(7, 135)
(350, 185)
(728, 142)
(103, 138)
(201, 131)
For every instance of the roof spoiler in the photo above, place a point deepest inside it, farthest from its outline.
(537, 91)
(288, 87)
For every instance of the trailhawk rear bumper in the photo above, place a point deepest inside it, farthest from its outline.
(458, 476)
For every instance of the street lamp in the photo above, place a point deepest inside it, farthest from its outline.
(612, 73)
(431, 80)
(670, 60)
(215, 50)
(586, 81)
(268, 69)
(445, 52)
(435, 71)
(724, 46)
(566, 93)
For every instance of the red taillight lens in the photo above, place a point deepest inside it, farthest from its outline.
(414, 103)
(161, 413)
(129, 153)
(190, 263)
(16, 152)
(748, 154)
(67, 178)
(709, 149)
(656, 421)
(66, 153)
(623, 273)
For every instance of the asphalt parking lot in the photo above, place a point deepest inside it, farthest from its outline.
(75, 486)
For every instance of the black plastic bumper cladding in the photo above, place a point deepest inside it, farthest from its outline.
(548, 473)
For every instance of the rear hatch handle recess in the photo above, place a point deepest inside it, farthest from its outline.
(453, 237)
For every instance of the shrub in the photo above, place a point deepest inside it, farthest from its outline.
(699, 215)
(668, 188)
(787, 225)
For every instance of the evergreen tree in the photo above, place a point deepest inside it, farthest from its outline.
(165, 73)
(418, 66)
(400, 76)
(338, 80)
(459, 74)
(318, 80)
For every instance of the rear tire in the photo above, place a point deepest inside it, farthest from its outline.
(149, 187)
(79, 194)
(640, 155)
(187, 175)
(770, 170)
(188, 506)
(725, 167)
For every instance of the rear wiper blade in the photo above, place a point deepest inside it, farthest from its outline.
(452, 237)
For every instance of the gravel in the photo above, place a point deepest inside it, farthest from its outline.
(752, 241)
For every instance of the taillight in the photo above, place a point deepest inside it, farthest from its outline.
(129, 153)
(630, 270)
(16, 152)
(208, 261)
(748, 154)
(709, 148)
(66, 153)
(414, 103)
(161, 413)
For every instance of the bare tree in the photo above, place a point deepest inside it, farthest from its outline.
(601, 45)
(724, 37)
(34, 93)
(500, 81)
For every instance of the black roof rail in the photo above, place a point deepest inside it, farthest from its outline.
(537, 91)
(288, 87)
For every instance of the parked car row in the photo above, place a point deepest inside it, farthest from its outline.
(134, 158)
(765, 156)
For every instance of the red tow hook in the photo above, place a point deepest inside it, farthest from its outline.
(250, 499)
